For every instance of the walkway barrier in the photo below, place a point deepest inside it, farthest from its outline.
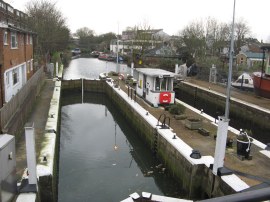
(21, 103)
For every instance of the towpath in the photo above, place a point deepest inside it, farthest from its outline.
(246, 96)
(38, 116)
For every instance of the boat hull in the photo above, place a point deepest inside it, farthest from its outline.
(261, 84)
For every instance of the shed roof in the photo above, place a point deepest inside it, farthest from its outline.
(252, 55)
(155, 72)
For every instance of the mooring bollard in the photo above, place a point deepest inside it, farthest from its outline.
(128, 90)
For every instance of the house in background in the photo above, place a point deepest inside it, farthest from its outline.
(16, 51)
(250, 55)
(136, 39)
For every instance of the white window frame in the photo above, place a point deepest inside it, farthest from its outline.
(13, 36)
(15, 72)
(27, 42)
(31, 65)
(31, 39)
(5, 38)
(7, 79)
(28, 67)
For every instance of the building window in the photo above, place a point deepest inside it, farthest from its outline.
(22, 40)
(5, 38)
(7, 78)
(28, 66)
(15, 75)
(162, 84)
(31, 39)
(31, 65)
(14, 40)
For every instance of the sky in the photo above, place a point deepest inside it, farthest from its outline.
(172, 16)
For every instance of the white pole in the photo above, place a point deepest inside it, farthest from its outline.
(117, 65)
(31, 153)
(82, 90)
(106, 69)
(176, 69)
(230, 68)
(220, 144)
(56, 69)
(223, 123)
(132, 69)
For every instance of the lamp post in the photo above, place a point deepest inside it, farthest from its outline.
(224, 121)
(117, 46)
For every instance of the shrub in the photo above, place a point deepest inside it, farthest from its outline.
(177, 109)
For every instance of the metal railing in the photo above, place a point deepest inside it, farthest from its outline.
(255, 195)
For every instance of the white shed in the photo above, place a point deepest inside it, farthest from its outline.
(155, 85)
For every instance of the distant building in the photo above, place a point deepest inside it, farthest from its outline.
(250, 55)
(136, 39)
(16, 51)
(249, 58)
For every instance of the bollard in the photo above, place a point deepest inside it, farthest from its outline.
(128, 90)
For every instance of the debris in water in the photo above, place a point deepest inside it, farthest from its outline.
(159, 166)
(150, 172)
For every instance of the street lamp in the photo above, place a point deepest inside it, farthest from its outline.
(223, 123)
(117, 48)
(115, 146)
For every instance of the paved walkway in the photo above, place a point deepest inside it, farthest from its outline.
(39, 117)
(249, 97)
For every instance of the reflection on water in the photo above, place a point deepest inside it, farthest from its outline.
(101, 158)
(90, 68)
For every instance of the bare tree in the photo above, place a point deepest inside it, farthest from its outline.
(193, 38)
(242, 31)
(84, 32)
(217, 36)
(49, 24)
(86, 38)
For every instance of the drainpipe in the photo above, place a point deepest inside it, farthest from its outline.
(1, 86)
(262, 67)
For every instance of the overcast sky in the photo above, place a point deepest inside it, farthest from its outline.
(104, 16)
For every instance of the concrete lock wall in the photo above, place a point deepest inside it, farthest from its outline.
(238, 110)
(197, 180)
(177, 164)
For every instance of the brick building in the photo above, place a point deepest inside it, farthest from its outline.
(16, 51)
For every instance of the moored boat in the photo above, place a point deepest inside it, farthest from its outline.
(103, 56)
(244, 82)
(261, 80)
(94, 54)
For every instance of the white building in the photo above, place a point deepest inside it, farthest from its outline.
(155, 85)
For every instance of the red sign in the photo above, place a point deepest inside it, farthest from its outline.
(165, 98)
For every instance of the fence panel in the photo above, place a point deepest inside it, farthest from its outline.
(9, 109)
